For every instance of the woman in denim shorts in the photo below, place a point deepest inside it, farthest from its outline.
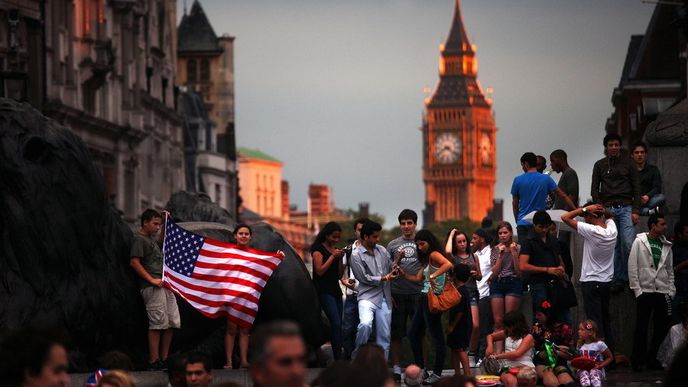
(457, 249)
(506, 286)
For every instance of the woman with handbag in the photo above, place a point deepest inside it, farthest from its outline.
(433, 276)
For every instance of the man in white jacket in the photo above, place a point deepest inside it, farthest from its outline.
(651, 277)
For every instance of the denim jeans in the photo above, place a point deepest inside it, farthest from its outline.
(626, 228)
(655, 201)
(332, 306)
(367, 312)
(433, 322)
(349, 325)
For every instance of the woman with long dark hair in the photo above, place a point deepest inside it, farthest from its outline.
(242, 236)
(433, 276)
(327, 269)
(458, 250)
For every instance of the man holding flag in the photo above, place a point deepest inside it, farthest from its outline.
(161, 305)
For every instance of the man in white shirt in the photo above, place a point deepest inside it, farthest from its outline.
(599, 233)
(350, 316)
(482, 250)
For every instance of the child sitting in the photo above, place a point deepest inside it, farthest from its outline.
(460, 324)
(552, 342)
(591, 347)
(518, 348)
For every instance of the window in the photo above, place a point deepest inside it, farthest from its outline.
(205, 70)
(653, 106)
(191, 71)
(218, 194)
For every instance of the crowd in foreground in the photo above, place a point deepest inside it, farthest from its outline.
(464, 293)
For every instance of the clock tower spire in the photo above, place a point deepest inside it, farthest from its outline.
(458, 135)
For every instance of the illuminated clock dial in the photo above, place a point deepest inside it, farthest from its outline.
(447, 148)
(485, 149)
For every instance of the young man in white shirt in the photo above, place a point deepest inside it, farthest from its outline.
(350, 317)
(482, 249)
(599, 234)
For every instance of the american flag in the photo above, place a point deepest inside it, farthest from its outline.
(216, 278)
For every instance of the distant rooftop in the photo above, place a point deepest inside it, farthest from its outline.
(195, 34)
(255, 154)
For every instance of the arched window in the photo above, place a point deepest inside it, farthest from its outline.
(191, 71)
(205, 70)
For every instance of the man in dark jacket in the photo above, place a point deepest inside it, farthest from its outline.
(615, 184)
(651, 196)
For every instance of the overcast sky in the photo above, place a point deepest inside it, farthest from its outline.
(334, 89)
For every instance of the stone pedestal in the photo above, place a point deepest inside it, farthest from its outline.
(667, 139)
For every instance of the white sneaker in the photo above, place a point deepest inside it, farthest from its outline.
(432, 378)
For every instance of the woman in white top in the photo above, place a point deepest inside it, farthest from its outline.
(518, 345)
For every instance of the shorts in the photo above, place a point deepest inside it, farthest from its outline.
(404, 308)
(161, 307)
(474, 296)
(506, 286)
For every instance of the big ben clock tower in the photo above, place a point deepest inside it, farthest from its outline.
(458, 136)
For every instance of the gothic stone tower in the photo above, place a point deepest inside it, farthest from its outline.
(458, 136)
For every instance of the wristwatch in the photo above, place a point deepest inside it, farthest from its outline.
(584, 210)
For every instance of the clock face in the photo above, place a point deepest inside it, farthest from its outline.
(485, 149)
(447, 148)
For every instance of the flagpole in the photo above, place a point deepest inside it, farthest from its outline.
(164, 240)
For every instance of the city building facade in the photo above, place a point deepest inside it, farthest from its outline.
(109, 76)
(261, 182)
(205, 65)
(21, 51)
(653, 76)
(459, 136)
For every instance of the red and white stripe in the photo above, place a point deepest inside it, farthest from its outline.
(226, 281)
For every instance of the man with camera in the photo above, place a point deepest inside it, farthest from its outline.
(599, 234)
(372, 268)
(405, 293)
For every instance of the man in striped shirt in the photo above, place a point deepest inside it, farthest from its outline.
(161, 306)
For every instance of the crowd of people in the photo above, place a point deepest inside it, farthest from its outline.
(388, 289)
(464, 292)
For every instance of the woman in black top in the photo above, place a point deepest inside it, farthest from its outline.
(327, 269)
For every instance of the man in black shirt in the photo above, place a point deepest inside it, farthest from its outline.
(651, 196)
(540, 258)
(616, 186)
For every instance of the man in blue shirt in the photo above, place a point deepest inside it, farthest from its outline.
(529, 192)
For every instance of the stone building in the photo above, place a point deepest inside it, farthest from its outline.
(459, 135)
(110, 68)
(21, 50)
(206, 169)
(261, 182)
(653, 76)
(205, 65)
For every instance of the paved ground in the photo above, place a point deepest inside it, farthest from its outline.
(622, 377)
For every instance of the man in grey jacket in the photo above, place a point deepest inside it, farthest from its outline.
(372, 268)
(651, 276)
